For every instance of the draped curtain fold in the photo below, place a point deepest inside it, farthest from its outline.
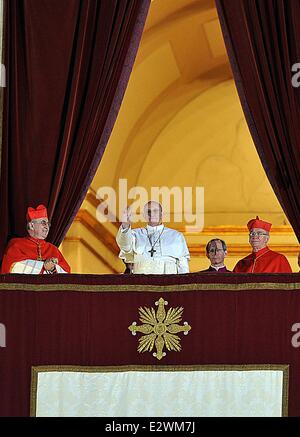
(263, 43)
(68, 65)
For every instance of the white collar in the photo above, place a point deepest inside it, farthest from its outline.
(218, 268)
(152, 229)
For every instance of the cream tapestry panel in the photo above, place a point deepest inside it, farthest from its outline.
(159, 393)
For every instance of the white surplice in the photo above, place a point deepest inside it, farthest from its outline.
(33, 267)
(171, 254)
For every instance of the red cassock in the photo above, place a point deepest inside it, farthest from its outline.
(21, 249)
(263, 261)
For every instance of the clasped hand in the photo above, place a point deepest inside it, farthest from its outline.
(49, 264)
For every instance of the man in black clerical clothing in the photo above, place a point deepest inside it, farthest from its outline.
(216, 250)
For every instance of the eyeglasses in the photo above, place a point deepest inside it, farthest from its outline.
(215, 250)
(258, 234)
(42, 222)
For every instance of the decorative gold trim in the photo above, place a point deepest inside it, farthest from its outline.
(157, 367)
(295, 286)
(160, 329)
(285, 391)
(35, 370)
(33, 390)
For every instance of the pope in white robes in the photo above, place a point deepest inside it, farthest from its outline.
(154, 249)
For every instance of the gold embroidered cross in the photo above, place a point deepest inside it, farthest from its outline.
(160, 329)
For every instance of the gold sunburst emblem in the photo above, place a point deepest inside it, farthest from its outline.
(160, 329)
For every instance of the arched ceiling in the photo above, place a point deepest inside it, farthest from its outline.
(181, 54)
(181, 119)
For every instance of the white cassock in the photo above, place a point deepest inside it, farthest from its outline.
(170, 253)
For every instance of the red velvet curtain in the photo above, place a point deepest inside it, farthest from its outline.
(263, 43)
(67, 63)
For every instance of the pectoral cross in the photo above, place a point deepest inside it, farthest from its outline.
(152, 251)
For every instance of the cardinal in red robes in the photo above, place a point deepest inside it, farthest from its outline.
(32, 254)
(262, 259)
